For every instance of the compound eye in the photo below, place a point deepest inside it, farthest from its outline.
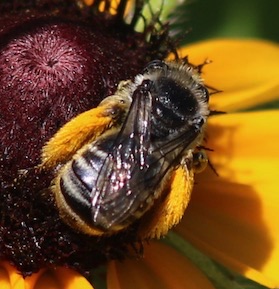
(155, 65)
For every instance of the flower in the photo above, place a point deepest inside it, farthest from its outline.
(240, 202)
(242, 180)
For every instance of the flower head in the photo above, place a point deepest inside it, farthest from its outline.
(59, 62)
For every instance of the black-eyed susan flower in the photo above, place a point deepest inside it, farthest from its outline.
(231, 217)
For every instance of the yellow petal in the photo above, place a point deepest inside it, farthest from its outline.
(88, 2)
(10, 278)
(234, 217)
(247, 71)
(59, 278)
(113, 5)
(162, 267)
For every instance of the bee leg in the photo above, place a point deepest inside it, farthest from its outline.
(168, 211)
(200, 67)
(82, 129)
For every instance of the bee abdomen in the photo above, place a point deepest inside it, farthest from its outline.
(81, 179)
(76, 182)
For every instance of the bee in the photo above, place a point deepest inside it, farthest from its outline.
(133, 157)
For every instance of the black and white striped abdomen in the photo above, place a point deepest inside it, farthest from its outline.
(79, 177)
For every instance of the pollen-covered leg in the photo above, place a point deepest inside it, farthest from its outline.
(168, 211)
(82, 129)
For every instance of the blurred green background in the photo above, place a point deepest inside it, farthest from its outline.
(205, 19)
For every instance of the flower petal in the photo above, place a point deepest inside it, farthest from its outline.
(234, 217)
(162, 267)
(88, 2)
(9, 277)
(247, 71)
(59, 278)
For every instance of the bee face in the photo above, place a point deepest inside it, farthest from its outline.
(115, 178)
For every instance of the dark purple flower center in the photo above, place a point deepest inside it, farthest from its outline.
(43, 62)
(50, 70)
(53, 67)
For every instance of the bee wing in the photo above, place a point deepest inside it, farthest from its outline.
(172, 148)
(136, 164)
(113, 194)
